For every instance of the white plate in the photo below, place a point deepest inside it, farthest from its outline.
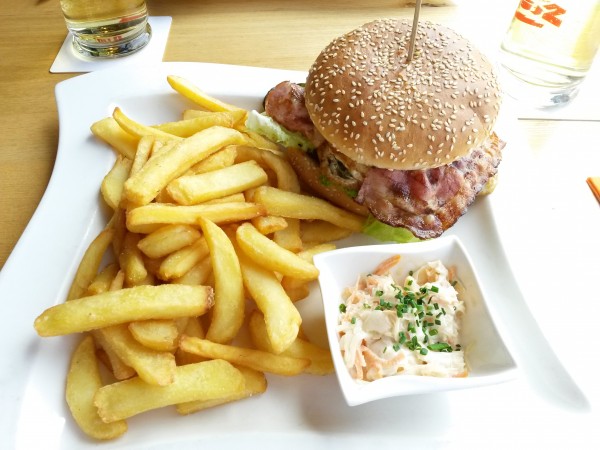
(301, 412)
(486, 355)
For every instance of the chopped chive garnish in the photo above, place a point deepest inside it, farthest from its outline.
(440, 347)
(342, 308)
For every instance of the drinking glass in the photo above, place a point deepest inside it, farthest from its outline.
(548, 49)
(107, 28)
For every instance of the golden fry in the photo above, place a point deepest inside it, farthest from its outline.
(254, 359)
(140, 130)
(207, 380)
(193, 93)
(157, 334)
(193, 189)
(255, 383)
(272, 256)
(88, 267)
(320, 358)
(219, 160)
(169, 164)
(269, 224)
(151, 217)
(142, 154)
(180, 262)
(228, 311)
(192, 125)
(131, 260)
(111, 132)
(194, 328)
(154, 367)
(125, 305)
(289, 204)
(289, 237)
(318, 231)
(103, 280)
(112, 184)
(199, 274)
(83, 380)
(233, 198)
(112, 362)
(282, 318)
(168, 239)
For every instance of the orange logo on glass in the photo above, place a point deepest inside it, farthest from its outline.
(539, 14)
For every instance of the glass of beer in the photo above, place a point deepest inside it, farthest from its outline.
(107, 28)
(548, 49)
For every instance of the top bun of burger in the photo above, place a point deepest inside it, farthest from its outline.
(379, 110)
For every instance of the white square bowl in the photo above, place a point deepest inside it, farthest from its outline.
(487, 357)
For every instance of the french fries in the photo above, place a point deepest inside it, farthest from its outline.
(193, 189)
(209, 380)
(290, 204)
(192, 92)
(145, 219)
(88, 267)
(112, 184)
(228, 311)
(157, 334)
(254, 359)
(111, 132)
(154, 367)
(169, 164)
(209, 227)
(272, 256)
(166, 301)
(189, 127)
(140, 130)
(168, 239)
(83, 381)
(320, 358)
(255, 383)
(282, 318)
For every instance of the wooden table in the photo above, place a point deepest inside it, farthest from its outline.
(266, 33)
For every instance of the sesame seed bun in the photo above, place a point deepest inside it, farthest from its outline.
(379, 111)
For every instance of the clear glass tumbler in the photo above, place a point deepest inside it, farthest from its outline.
(548, 49)
(107, 28)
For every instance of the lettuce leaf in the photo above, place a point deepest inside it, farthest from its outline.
(387, 233)
(265, 126)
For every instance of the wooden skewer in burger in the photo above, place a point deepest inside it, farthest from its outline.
(410, 142)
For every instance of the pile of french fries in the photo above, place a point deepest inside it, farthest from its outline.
(210, 232)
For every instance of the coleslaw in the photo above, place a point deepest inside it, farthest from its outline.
(402, 327)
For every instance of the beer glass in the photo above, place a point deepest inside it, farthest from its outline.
(107, 28)
(548, 49)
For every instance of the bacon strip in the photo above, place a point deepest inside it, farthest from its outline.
(428, 202)
(285, 104)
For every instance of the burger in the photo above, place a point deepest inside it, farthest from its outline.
(408, 143)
